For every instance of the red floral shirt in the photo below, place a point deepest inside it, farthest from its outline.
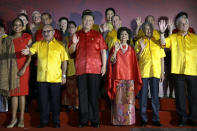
(88, 58)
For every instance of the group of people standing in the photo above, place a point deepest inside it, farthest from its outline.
(71, 62)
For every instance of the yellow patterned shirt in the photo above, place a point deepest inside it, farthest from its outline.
(150, 58)
(184, 53)
(50, 58)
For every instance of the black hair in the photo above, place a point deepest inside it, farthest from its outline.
(63, 18)
(112, 9)
(180, 14)
(117, 16)
(46, 13)
(89, 13)
(121, 29)
(17, 19)
(72, 22)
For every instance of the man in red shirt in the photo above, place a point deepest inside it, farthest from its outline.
(90, 62)
(47, 20)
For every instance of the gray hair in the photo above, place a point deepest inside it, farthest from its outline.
(179, 19)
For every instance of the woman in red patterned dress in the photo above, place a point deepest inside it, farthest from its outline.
(20, 40)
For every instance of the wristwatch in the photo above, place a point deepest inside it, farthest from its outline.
(64, 76)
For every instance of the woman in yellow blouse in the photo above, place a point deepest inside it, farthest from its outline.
(69, 91)
(150, 57)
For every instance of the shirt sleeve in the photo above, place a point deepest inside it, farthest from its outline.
(163, 54)
(64, 55)
(34, 48)
(137, 47)
(103, 44)
(168, 41)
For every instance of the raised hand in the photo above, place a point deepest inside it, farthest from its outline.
(23, 11)
(138, 21)
(105, 27)
(25, 51)
(170, 24)
(75, 39)
(142, 44)
(162, 26)
(117, 46)
(101, 28)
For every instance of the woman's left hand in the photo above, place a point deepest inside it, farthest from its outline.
(21, 72)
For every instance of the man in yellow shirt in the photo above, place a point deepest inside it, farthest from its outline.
(150, 57)
(183, 47)
(51, 72)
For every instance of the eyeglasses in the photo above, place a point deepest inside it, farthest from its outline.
(46, 31)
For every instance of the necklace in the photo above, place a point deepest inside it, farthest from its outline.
(123, 49)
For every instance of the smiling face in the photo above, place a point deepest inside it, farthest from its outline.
(46, 20)
(17, 26)
(71, 28)
(48, 33)
(148, 31)
(36, 18)
(63, 24)
(116, 22)
(183, 24)
(124, 36)
(87, 22)
(109, 15)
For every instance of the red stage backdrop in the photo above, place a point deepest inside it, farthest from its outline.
(128, 10)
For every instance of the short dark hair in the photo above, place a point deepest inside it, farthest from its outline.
(149, 24)
(146, 19)
(121, 29)
(17, 19)
(23, 14)
(180, 14)
(63, 18)
(46, 13)
(112, 9)
(165, 18)
(117, 16)
(89, 13)
(72, 22)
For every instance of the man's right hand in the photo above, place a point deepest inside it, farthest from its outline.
(75, 39)
(139, 21)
